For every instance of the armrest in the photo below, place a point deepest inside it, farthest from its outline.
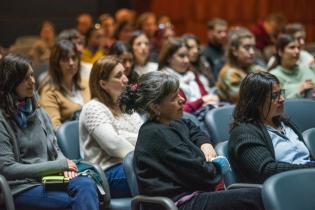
(167, 203)
(105, 185)
(6, 192)
(243, 185)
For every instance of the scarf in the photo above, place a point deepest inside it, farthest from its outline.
(24, 109)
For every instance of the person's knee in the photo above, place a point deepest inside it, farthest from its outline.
(85, 184)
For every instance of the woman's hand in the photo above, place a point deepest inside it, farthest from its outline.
(306, 85)
(72, 166)
(72, 170)
(70, 174)
(210, 99)
(208, 151)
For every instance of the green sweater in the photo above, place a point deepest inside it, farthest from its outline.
(290, 80)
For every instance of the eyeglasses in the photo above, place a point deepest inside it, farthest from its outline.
(275, 96)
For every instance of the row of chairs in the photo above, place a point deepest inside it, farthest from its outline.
(217, 122)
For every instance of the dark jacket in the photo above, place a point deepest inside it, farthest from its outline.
(169, 162)
(252, 154)
(215, 56)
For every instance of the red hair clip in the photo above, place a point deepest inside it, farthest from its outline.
(135, 87)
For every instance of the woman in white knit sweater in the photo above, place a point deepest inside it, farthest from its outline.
(106, 134)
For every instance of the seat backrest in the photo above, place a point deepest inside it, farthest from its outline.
(69, 140)
(191, 117)
(222, 149)
(218, 123)
(301, 112)
(6, 197)
(309, 139)
(290, 190)
(130, 173)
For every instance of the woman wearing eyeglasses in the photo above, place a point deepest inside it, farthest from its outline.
(297, 79)
(262, 141)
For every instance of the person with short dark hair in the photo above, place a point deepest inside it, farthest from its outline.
(214, 51)
(173, 157)
(263, 142)
(94, 47)
(28, 146)
(84, 22)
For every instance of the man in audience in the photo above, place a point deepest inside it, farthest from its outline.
(108, 26)
(84, 23)
(214, 50)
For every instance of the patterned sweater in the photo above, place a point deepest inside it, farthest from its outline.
(105, 138)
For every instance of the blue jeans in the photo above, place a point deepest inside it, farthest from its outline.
(81, 194)
(117, 181)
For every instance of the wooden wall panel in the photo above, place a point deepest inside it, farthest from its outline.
(192, 15)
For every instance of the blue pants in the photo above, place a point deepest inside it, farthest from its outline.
(81, 194)
(117, 181)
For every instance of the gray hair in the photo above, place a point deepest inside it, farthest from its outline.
(152, 88)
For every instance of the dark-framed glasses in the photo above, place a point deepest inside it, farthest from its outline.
(276, 95)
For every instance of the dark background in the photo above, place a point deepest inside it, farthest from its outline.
(23, 17)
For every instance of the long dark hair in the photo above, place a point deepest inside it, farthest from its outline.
(255, 90)
(13, 69)
(62, 49)
(134, 35)
(168, 49)
(152, 88)
(201, 65)
(282, 41)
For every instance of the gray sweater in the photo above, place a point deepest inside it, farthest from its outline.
(26, 155)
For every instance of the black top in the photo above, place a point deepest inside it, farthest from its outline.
(252, 154)
(169, 162)
(215, 56)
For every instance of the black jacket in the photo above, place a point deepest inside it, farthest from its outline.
(252, 155)
(169, 162)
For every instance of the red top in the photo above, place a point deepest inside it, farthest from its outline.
(192, 106)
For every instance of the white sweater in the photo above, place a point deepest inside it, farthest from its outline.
(107, 139)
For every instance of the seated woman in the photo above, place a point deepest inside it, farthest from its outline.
(194, 87)
(262, 142)
(106, 134)
(198, 62)
(93, 49)
(240, 62)
(140, 48)
(296, 78)
(123, 52)
(172, 156)
(62, 92)
(29, 148)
